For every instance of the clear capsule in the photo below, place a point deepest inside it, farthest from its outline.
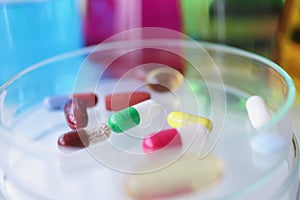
(178, 119)
(85, 137)
(164, 79)
(141, 113)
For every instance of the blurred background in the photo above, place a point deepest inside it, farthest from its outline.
(33, 30)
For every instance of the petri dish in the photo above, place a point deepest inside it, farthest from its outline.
(216, 82)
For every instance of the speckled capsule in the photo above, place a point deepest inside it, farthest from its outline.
(85, 137)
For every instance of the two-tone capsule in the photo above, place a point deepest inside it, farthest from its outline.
(141, 113)
(76, 114)
(85, 137)
(57, 103)
(179, 119)
(119, 101)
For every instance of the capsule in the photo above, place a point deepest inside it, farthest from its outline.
(188, 174)
(258, 111)
(85, 137)
(164, 138)
(132, 116)
(178, 119)
(186, 137)
(119, 101)
(164, 79)
(76, 114)
(56, 103)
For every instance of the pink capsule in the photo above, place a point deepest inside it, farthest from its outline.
(76, 114)
(165, 138)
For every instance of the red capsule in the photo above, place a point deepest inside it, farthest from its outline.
(76, 114)
(119, 101)
(154, 142)
(89, 99)
(78, 138)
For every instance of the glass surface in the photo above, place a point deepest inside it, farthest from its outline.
(217, 82)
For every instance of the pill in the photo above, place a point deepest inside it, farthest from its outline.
(119, 101)
(268, 143)
(187, 174)
(53, 103)
(76, 114)
(132, 116)
(85, 137)
(172, 138)
(258, 111)
(178, 119)
(164, 79)
(164, 138)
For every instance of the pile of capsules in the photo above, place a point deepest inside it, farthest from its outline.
(129, 110)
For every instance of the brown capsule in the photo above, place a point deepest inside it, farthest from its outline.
(78, 138)
(76, 114)
(89, 99)
(119, 101)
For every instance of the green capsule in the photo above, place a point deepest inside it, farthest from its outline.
(124, 120)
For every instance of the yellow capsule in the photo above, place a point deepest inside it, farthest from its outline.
(178, 119)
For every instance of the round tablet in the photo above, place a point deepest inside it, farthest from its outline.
(268, 143)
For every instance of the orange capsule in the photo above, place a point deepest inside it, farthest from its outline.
(119, 101)
(76, 114)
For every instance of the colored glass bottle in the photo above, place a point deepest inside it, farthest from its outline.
(288, 54)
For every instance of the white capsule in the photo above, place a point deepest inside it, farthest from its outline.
(258, 111)
(148, 110)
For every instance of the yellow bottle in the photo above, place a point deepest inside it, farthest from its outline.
(288, 56)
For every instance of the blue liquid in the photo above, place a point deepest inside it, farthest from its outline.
(35, 30)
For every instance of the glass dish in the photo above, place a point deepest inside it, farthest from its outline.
(217, 80)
